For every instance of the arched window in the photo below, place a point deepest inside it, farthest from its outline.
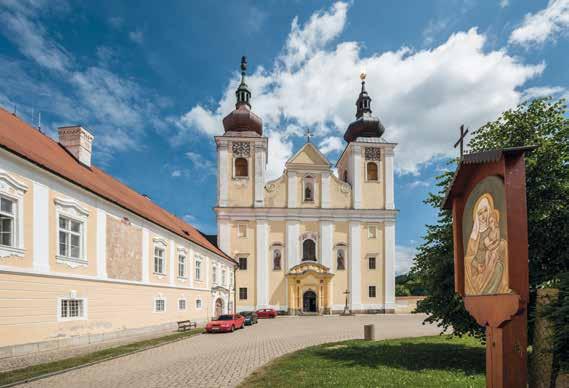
(371, 171)
(277, 260)
(346, 176)
(241, 168)
(340, 260)
(309, 250)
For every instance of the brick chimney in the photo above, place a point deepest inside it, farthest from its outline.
(78, 141)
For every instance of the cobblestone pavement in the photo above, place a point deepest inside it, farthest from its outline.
(224, 360)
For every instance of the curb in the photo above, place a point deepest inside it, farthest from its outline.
(62, 371)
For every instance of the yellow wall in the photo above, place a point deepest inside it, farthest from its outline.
(276, 193)
(28, 308)
(340, 279)
(245, 246)
(240, 190)
(277, 281)
(372, 247)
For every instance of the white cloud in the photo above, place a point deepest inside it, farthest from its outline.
(331, 144)
(504, 3)
(434, 29)
(404, 256)
(200, 164)
(280, 150)
(545, 24)
(543, 91)
(418, 183)
(136, 36)
(421, 96)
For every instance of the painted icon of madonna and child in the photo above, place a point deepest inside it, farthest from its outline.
(486, 256)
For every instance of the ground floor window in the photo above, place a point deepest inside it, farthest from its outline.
(371, 263)
(72, 309)
(181, 304)
(242, 293)
(371, 291)
(159, 305)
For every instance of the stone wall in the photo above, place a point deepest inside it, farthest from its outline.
(124, 250)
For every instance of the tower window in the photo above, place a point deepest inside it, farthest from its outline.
(241, 168)
(372, 174)
(308, 189)
(309, 250)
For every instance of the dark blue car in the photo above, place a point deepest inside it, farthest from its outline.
(250, 317)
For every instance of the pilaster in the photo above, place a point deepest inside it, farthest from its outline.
(145, 242)
(41, 227)
(389, 189)
(326, 233)
(172, 263)
(291, 189)
(292, 243)
(354, 268)
(262, 263)
(389, 264)
(356, 175)
(101, 244)
(325, 190)
(222, 173)
(224, 235)
(260, 162)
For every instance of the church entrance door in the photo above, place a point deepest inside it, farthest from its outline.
(309, 302)
(218, 307)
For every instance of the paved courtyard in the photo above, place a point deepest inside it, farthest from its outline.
(224, 360)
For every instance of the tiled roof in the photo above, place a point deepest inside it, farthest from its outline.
(21, 139)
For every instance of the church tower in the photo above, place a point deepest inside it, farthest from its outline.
(367, 165)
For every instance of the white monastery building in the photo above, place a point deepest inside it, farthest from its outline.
(84, 258)
(308, 242)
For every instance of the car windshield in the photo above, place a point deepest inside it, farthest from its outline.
(246, 313)
(225, 318)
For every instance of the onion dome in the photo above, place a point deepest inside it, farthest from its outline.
(366, 125)
(242, 119)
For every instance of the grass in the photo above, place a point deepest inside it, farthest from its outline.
(55, 366)
(440, 361)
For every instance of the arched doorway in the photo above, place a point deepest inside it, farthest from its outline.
(309, 302)
(218, 307)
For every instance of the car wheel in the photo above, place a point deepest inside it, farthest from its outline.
(232, 329)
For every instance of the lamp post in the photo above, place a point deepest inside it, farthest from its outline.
(346, 307)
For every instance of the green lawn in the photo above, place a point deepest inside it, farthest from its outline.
(50, 367)
(439, 361)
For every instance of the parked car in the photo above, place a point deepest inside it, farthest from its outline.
(225, 323)
(250, 317)
(266, 313)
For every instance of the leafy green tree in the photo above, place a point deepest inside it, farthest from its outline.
(540, 122)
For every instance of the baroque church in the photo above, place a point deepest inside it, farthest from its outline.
(308, 242)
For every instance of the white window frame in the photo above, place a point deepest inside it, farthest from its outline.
(214, 279)
(73, 210)
(182, 264)
(159, 244)
(185, 304)
(370, 235)
(14, 190)
(200, 307)
(242, 233)
(198, 269)
(156, 299)
(84, 315)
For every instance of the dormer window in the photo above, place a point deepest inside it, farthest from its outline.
(308, 189)
(241, 168)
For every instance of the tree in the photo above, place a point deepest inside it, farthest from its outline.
(541, 122)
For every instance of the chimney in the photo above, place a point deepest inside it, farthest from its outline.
(78, 141)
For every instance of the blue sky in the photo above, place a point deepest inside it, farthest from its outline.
(152, 81)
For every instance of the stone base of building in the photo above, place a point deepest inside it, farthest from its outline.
(23, 350)
(328, 311)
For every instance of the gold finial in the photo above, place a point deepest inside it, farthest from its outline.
(363, 74)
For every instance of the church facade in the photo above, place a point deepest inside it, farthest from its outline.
(310, 241)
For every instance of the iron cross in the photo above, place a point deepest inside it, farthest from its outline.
(308, 135)
(460, 141)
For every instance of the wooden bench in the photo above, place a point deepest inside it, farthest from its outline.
(186, 325)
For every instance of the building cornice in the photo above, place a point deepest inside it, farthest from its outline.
(301, 214)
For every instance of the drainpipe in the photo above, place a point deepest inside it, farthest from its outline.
(234, 289)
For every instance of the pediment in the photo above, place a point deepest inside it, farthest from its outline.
(308, 156)
(309, 268)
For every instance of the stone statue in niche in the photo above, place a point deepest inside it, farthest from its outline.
(486, 256)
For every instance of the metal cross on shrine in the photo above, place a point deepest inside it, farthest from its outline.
(308, 135)
(460, 141)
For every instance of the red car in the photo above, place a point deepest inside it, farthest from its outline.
(266, 313)
(225, 323)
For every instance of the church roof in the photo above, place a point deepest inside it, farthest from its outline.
(19, 138)
(366, 124)
(308, 156)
